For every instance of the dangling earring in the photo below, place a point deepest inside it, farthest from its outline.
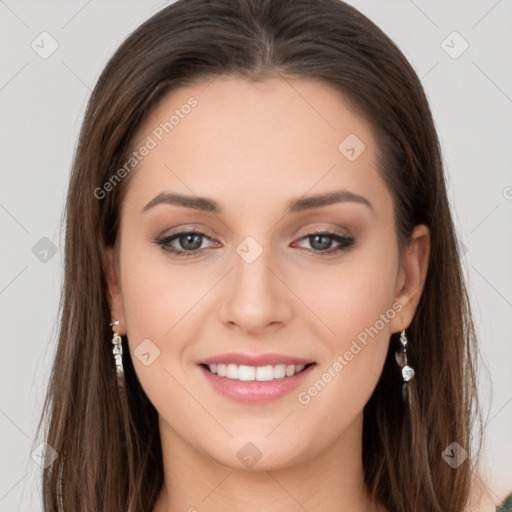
(118, 355)
(401, 359)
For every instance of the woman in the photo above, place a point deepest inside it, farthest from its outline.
(257, 219)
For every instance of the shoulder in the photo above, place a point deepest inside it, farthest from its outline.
(506, 505)
(483, 499)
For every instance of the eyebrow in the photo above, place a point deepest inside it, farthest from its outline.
(296, 205)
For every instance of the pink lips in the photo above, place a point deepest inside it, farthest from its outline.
(255, 391)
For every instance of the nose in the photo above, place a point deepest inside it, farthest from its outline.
(255, 298)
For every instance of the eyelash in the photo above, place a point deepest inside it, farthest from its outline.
(345, 242)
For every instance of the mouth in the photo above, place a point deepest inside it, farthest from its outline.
(255, 384)
(247, 373)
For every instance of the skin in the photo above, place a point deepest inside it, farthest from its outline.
(253, 148)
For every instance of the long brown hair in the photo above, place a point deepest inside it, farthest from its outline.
(108, 444)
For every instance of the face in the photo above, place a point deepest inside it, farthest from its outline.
(318, 283)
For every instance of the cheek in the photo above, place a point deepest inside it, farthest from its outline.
(160, 304)
(354, 301)
(352, 294)
(158, 299)
(353, 348)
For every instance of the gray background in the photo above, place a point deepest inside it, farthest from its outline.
(42, 103)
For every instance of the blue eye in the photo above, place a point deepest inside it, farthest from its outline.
(191, 242)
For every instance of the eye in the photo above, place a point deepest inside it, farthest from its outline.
(321, 242)
(189, 241)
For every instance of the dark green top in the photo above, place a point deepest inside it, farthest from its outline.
(506, 506)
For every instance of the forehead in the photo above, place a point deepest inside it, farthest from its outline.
(233, 138)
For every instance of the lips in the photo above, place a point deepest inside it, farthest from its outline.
(255, 391)
(255, 378)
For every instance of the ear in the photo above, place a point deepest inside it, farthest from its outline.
(411, 277)
(115, 297)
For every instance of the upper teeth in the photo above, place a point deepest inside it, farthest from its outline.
(259, 373)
